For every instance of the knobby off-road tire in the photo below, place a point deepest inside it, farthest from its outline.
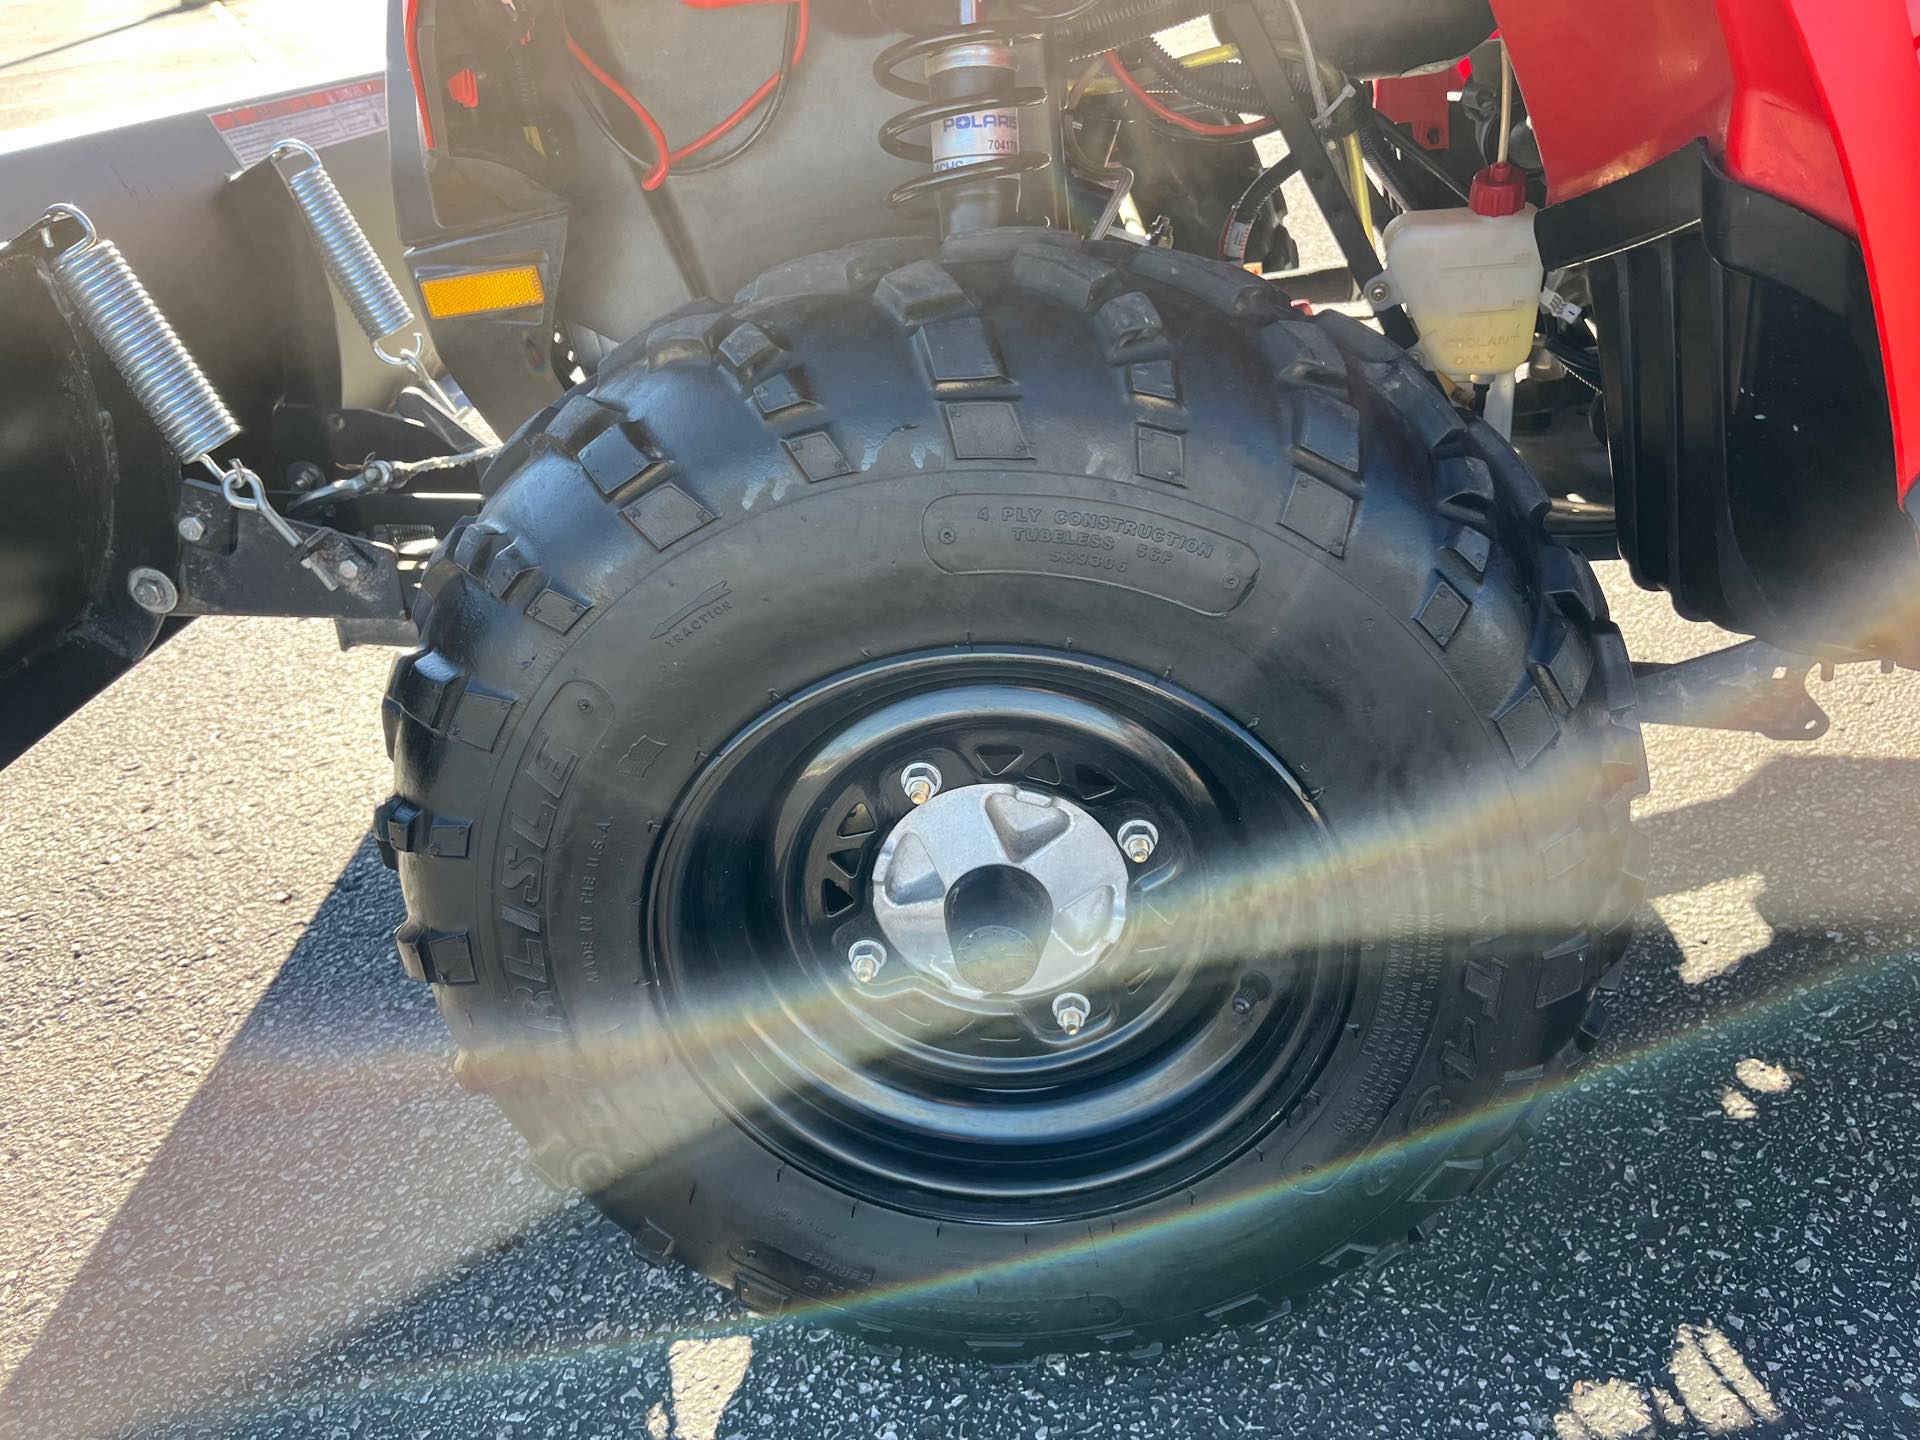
(1166, 471)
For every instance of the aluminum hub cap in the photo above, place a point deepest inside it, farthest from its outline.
(1000, 890)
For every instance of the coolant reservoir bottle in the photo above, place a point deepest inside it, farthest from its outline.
(1471, 277)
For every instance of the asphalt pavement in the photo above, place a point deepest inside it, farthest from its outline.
(240, 1194)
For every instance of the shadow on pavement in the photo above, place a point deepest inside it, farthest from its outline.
(1715, 1232)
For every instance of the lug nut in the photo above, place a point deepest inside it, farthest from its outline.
(920, 781)
(1253, 989)
(865, 957)
(1138, 839)
(1070, 1011)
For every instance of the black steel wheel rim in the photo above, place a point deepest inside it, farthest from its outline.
(1209, 1019)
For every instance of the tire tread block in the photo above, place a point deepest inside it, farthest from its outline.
(919, 292)
(617, 457)
(1317, 512)
(666, 514)
(1160, 454)
(959, 352)
(817, 457)
(1071, 277)
(986, 430)
(436, 957)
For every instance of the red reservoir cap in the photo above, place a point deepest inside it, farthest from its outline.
(1499, 190)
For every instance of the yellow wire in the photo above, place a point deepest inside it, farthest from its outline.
(1212, 55)
(1357, 177)
(1199, 59)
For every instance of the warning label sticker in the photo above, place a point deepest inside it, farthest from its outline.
(319, 117)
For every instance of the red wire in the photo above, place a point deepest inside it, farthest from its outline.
(658, 174)
(752, 102)
(655, 177)
(746, 109)
(411, 25)
(1185, 122)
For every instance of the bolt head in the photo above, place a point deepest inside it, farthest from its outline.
(1378, 292)
(152, 591)
(920, 782)
(1070, 1012)
(348, 569)
(864, 958)
(1138, 839)
(192, 529)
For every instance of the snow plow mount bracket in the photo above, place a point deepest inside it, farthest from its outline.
(1752, 687)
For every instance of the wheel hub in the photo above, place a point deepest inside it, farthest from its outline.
(1028, 956)
(1000, 890)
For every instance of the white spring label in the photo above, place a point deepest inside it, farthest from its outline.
(976, 136)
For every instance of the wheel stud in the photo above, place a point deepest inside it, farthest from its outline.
(865, 957)
(1138, 839)
(920, 781)
(1070, 1011)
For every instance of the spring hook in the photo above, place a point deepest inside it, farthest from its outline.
(115, 306)
(970, 107)
(326, 555)
(243, 490)
(363, 282)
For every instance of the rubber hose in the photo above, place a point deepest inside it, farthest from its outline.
(1125, 21)
(1384, 162)
(1246, 209)
(1203, 89)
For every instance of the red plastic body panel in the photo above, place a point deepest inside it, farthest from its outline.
(1816, 102)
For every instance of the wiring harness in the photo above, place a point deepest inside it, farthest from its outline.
(663, 157)
(766, 99)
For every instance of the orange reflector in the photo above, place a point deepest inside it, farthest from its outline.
(481, 292)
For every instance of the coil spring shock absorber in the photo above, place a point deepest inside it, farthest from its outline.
(363, 282)
(970, 107)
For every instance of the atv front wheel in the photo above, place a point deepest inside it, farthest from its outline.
(1022, 795)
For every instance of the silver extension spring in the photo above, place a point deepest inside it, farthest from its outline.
(376, 302)
(356, 270)
(115, 306)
